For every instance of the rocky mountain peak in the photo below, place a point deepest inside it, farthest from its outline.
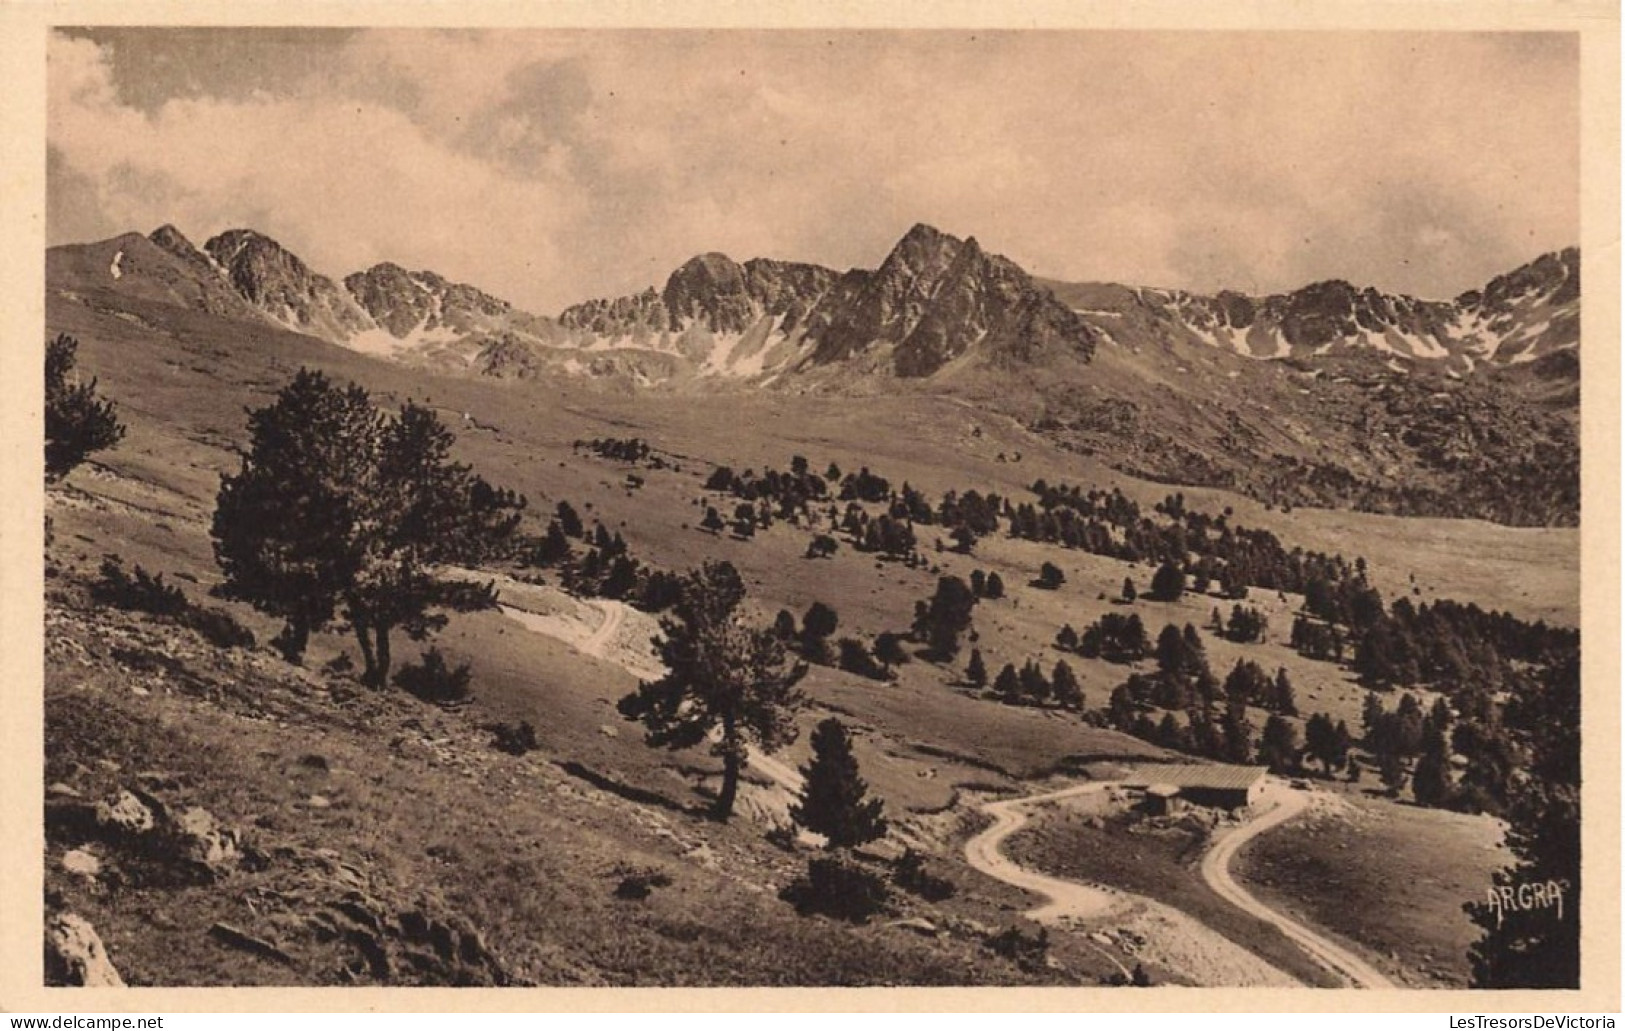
(283, 287)
(1554, 276)
(391, 296)
(709, 289)
(175, 242)
(936, 296)
(924, 252)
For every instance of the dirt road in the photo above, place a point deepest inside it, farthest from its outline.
(614, 615)
(1216, 871)
(1067, 899)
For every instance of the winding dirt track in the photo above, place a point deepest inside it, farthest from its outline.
(598, 643)
(1070, 900)
(1216, 871)
(1067, 899)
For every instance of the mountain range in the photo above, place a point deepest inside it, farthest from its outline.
(1329, 394)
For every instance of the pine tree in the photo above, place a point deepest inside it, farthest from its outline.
(1278, 748)
(1171, 651)
(1007, 685)
(722, 676)
(1431, 781)
(1344, 742)
(976, 671)
(1195, 652)
(1286, 699)
(77, 422)
(554, 548)
(889, 650)
(1238, 746)
(1129, 593)
(336, 502)
(816, 628)
(1065, 687)
(1392, 769)
(995, 587)
(948, 616)
(1035, 687)
(1531, 948)
(1168, 583)
(1371, 715)
(1067, 639)
(418, 513)
(569, 521)
(784, 626)
(1320, 740)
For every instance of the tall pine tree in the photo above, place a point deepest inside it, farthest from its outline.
(725, 680)
(834, 798)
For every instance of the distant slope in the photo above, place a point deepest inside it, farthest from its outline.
(1330, 395)
(1517, 317)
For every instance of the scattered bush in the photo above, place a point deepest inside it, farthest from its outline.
(782, 836)
(1030, 952)
(911, 875)
(433, 681)
(515, 738)
(822, 546)
(140, 591)
(219, 628)
(855, 657)
(838, 887)
(639, 883)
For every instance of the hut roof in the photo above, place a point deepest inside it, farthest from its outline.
(1198, 775)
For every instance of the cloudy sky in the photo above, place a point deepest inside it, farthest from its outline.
(549, 167)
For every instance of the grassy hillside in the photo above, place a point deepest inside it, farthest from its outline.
(523, 854)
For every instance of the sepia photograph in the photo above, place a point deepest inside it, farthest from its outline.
(734, 507)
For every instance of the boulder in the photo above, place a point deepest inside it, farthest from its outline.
(82, 863)
(75, 956)
(201, 840)
(125, 816)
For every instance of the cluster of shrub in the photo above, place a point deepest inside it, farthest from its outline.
(1245, 626)
(1203, 546)
(1450, 645)
(634, 450)
(1445, 644)
(1115, 637)
(1030, 686)
(811, 639)
(141, 591)
(605, 568)
(1410, 745)
(789, 492)
(1184, 683)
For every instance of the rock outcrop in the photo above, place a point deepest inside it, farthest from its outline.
(75, 956)
(283, 288)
